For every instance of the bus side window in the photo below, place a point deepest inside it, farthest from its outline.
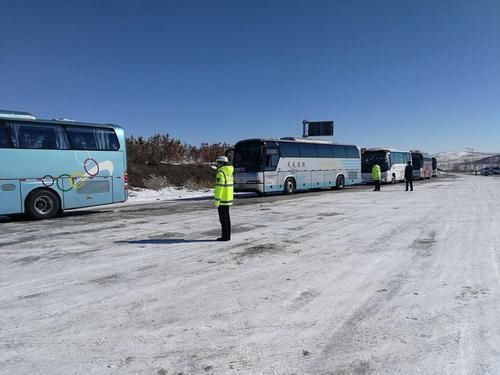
(339, 151)
(39, 136)
(81, 138)
(4, 141)
(62, 138)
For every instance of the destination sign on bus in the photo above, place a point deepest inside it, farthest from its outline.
(318, 128)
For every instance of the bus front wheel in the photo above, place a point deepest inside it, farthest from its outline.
(42, 204)
(340, 183)
(289, 186)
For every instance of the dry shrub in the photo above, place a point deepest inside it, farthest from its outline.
(155, 182)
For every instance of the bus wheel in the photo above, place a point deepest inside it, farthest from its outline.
(42, 204)
(289, 186)
(340, 183)
(393, 181)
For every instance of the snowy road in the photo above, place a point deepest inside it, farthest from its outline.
(338, 283)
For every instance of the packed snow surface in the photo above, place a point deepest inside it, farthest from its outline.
(333, 282)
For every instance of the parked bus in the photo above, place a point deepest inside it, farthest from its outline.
(434, 167)
(392, 164)
(292, 164)
(422, 164)
(53, 165)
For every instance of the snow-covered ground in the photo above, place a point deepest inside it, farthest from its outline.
(137, 195)
(334, 282)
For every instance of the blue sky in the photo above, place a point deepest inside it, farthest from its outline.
(404, 74)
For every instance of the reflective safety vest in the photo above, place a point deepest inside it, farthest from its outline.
(223, 194)
(376, 173)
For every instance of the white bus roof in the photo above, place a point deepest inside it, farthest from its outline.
(385, 149)
(294, 139)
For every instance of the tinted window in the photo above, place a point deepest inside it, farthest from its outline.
(339, 151)
(352, 152)
(248, 156)
(324, 151)
(4, 141)
(272, 156)
(87, 138)
(38, 136)
(289, 149)
(307, 150)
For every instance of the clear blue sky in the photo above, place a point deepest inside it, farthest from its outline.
(397, 73)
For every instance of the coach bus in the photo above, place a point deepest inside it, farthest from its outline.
(392, 164)
(293, 164)
(434, 167)
(422, 164)
(53, 165)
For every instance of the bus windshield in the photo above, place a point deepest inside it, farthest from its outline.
(417, 160)
(248, 156)
(370, 158)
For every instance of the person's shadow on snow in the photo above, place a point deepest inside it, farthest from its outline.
(162, 241)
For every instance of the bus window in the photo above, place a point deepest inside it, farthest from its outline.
(4, 141)
(248, 156)
(307, 150)
(39, 136)
(324, 151)
(82, 138)
(289, 150)
(339, 151)
(352, 152)
(106, 139)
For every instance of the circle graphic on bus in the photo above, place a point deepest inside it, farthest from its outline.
(48, 180)
(77, 179)
(91, 167)
(60, 178)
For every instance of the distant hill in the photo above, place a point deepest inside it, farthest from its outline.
(466, 160)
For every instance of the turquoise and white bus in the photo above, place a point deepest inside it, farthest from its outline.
(392, 164)
(48, 166)
(292, 164)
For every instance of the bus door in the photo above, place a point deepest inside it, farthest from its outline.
(81, 191)
(10, 197)
(270, 161)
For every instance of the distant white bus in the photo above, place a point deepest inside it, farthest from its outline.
(392, 164)
(292, 164)
(422, 164)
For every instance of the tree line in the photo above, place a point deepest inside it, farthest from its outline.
(162, 148)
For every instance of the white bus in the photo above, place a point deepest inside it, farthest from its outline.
(392, 164)
(292, 164)
(422, 164)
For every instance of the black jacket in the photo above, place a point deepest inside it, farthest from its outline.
(408, 173)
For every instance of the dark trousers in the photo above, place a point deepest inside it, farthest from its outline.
(410, 184)
(225, 222)
(377, 185)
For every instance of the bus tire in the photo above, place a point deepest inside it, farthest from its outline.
(289, 186)
(340, 182)
(393, 180)
(43, 204)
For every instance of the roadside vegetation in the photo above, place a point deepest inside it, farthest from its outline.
(161, 160)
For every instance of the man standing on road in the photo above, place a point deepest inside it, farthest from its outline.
(223, 195)
(409, 175)
(376, 176)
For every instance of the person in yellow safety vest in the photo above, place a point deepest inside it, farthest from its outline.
(376, 176)
(223, 195)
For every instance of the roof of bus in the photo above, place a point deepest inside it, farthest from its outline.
(385, 149)
(63, 122)
(28, 117)
(294, 140)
